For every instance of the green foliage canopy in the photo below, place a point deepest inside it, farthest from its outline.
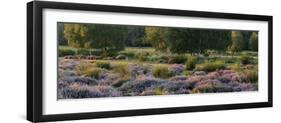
(76, 35)
(254, 41)
(156, 36)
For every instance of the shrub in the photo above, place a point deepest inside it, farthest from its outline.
(83, 52)
(65, 52)
(191, 62)
(112, 53)
(206, 54)
(249, 76)
(96, 52)
(250, 53)
(178, 59)
(229, 60)
(162, 71)
(103, 64)
(123, 69)
(129, 54)
(245, 59)
(209, 67)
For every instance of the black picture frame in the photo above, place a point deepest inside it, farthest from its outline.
(35, 69)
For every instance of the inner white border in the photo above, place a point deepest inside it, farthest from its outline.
(52, 106)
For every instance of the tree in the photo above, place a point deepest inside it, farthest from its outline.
(183, 40)
(197, 40)
(156, 37)
(135, 36)
(237, 42)
(246, 39)
(107, 37)
(254, 41)
(60, 35)
(76, 35)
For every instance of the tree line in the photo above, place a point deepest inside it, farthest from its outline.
(175, 40)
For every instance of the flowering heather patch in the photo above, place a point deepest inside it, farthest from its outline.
(69, 64)
(142, 82)
(81, 80)
(138, 86)
(177, 68)
(84, 91)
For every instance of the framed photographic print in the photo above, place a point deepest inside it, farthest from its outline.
(95, 61)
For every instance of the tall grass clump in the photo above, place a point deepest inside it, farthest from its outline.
(103, 64)
(249, 76)
(212, 66)
(191, 62)
(123, 69)
(162, 71)
(245, 59)
(236, 67)
(89, 70)
(142, 56)
(93, 72)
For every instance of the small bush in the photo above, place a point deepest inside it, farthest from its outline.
(191, 62)
(178, 59)
(65, 52)
(103, 64)
(250, 53)
(129, 54)
(112, 53)
(96, 52)
(83, 52)
(123, 69)
(209, 67)
(206, 54)
(162, 71)
(249, 76)
(230, 60)
(245, 59)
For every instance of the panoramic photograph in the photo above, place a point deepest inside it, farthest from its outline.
(104, 60)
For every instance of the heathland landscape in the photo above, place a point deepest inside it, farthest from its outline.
(101, 60)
